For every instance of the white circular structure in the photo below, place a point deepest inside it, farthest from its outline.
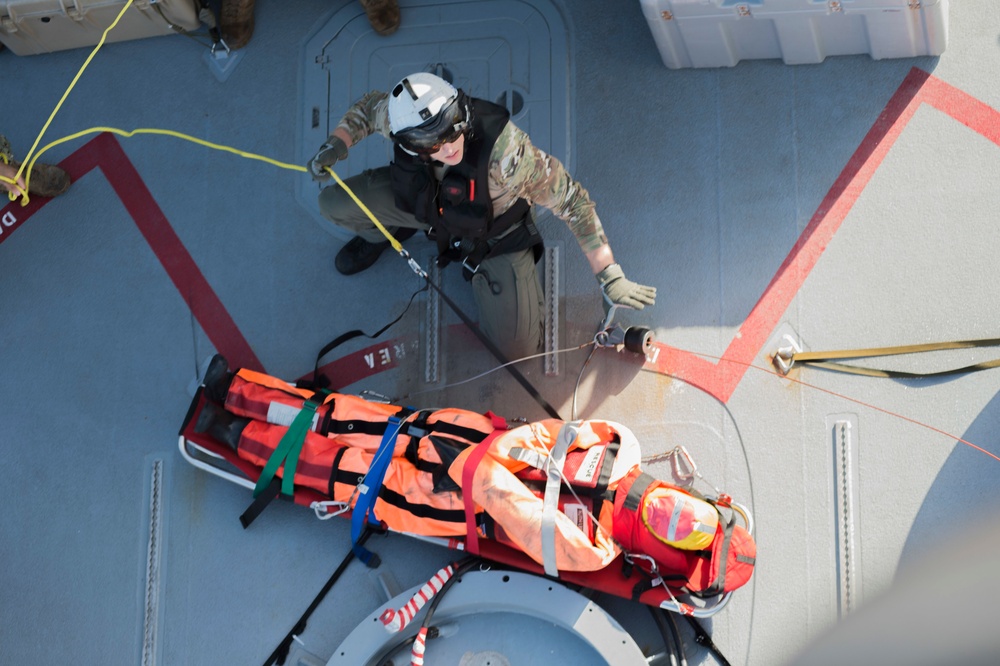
(498, 618)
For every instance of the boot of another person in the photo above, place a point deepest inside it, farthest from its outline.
(46, 180)
(217, 379)
(359, 254)
(220, 425)
(383, 15)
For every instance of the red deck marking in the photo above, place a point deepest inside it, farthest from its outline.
(361, 364)
(105, 152)
(718, 379)
(13, 215)
(919, 87)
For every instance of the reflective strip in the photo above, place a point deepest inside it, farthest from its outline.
(282, 414)
(589, 468)
(287, 453)
(528, 457)
(703, 528)
(557, 458)
(675, 518)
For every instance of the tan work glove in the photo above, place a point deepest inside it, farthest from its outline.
(618, 290)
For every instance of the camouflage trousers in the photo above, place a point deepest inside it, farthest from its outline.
(506, 288)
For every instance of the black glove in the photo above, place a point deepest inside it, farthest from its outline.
(620, 291)
(329, 154)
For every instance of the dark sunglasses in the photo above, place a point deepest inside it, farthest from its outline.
(451, 137)
(446, 127)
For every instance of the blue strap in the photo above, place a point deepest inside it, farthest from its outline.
(368, 491)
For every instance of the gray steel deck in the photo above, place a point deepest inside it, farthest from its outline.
(846, 204)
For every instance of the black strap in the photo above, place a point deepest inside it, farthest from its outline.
(644, 585)
(521, 237)
(443, 428)
(701, 637)
(212, 23)
(647, 582)
(335, 470)
(515, 373)
(450, 246)
(260, 502)
(604, 478)
(397, 500)
(281, 652)
(329, 426)
(637, 490)
(321, 381)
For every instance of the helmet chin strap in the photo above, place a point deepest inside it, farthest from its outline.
(464, 102)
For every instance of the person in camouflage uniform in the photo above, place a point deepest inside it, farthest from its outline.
(445, 145)
(46, 180)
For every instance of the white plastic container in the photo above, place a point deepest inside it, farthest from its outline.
(721, 33)
(29, 27)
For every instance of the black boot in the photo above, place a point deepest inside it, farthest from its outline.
(217, 379)
(221, 425)
(360, 254)
(383, 15)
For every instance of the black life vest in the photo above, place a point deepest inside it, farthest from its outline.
(460, 207)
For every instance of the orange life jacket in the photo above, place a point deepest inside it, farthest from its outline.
(416, 494)
(521, 514)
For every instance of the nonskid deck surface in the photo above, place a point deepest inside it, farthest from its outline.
(840, 205)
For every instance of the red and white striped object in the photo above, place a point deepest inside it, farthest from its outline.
(395, 621)
(419, 645)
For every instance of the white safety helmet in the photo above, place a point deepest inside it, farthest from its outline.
(425, 112)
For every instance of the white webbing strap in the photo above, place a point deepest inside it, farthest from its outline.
(557, 458)
(528, 457)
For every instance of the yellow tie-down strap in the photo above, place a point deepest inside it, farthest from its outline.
(785, 359)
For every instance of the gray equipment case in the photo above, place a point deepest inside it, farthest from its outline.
(30, 27)
(721, 33)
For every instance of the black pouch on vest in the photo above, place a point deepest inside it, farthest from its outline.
(463, 218)
(410, 187)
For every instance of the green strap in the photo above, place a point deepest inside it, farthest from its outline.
(287, 452)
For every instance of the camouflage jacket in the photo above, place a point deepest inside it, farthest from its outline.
(518, 170)
(5, 149)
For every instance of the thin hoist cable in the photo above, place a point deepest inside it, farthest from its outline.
(850, 399)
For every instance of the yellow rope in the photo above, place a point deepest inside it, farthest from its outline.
(13, 195)
(179, 135)
(396, 245)
(30, 158)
